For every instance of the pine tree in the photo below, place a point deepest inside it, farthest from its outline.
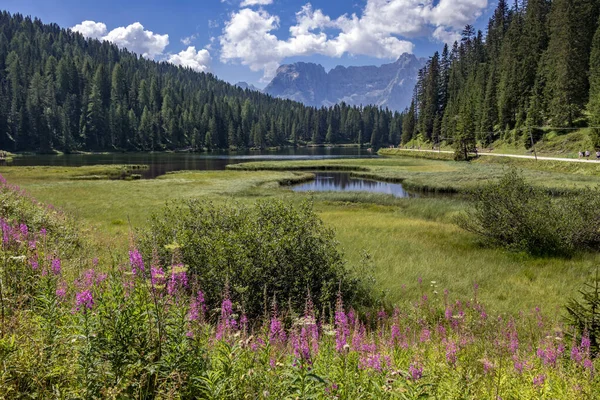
(593, 106)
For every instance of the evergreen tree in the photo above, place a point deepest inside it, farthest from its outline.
(594, 103)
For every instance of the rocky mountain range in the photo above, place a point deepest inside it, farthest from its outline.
(389, 85)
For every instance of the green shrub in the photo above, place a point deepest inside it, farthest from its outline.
(514, 214)
(269, 250)
(583, 313)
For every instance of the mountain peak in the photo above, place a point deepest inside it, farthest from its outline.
(388, 85)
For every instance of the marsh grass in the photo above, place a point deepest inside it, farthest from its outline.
(408, 239)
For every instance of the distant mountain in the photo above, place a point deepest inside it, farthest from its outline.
(390, 85)
(246, 85)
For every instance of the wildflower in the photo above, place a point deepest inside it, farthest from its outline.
(178, 279)
(425, 335)
(415, 371)
(136, 261)
(539, 380)
(276, 331)
(61, 290)
(24, 231)
(451, 350)
(226, 322)
(56, 266)
(488, 366)
(157, 276)
(84, 300)
(342, 329)
(197, 308)
(519, 365)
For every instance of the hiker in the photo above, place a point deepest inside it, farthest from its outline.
(598, 155)
(581, 154)
(587, 154)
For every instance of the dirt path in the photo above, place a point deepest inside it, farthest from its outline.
(577, 160)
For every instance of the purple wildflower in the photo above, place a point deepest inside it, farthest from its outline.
(197, 308)
(451, 350)
(61, 290)
(276, 331)
(178, 279)
(539, 381)
(56, 266)
(136, 261)
(342, 329)
(84, 300)
(415, 371)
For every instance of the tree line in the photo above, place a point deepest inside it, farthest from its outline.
(61, 91)
(538, 65)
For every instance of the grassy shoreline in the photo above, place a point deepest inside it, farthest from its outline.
(408, 239)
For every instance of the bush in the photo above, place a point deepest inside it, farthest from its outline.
(514, 214)
(270, 250)
(583, 314)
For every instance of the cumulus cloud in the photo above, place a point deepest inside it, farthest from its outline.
(198, 60)
(138, 40)
(91, 29)
(382, 30)
(246, 3)
(133, 37)
(148, 44)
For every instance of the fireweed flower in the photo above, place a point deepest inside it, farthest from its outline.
(451, 350)
(157, 276)
(197, 308)
(56, 266)
(178, 280)
(61, 290)
(136, 261)
(276, 331)
(226, 322)
(342, 328)
(415, 370)
(539, 381)
(84, 300)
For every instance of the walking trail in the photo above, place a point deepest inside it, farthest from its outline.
(579, 160)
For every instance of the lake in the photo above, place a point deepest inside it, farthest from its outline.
(344, 182)
(161, 163)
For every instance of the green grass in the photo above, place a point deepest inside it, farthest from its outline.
(408, 238)
(446, 176)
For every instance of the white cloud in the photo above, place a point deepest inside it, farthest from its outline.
(189, 39)
(382, 30)
(91, 29)
(246, 3)
(197, 60)
(138, 40)
(133, 37)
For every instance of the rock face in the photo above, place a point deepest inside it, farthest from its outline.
(390, 85)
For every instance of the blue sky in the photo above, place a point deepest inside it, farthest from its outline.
(246, 40)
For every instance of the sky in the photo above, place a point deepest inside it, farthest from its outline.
(247, 40)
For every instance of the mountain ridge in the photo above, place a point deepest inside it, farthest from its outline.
(388, 85)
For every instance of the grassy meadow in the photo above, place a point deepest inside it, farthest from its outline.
(409, 240)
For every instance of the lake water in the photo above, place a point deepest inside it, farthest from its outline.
(343, 182)
(161, 163)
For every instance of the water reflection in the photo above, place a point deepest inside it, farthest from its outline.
(343, 182)
(161, 163)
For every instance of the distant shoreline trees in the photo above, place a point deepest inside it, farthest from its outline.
(61, 91)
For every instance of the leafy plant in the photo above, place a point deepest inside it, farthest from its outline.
(520, 216)
(271, 249)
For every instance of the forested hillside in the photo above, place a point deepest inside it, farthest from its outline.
(61, 91)
(537, 66)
